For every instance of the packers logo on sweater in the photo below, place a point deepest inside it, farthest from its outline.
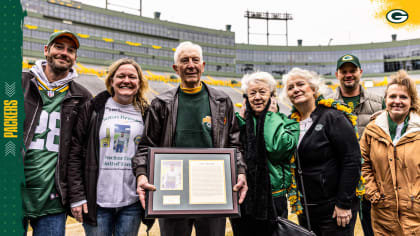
(207, 121)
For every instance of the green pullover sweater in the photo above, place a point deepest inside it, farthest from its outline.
(193, 123)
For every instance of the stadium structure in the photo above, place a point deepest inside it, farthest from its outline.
(107, 35)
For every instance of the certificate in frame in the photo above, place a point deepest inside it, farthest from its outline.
(192, 182)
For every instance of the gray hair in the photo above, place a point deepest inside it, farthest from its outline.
(315, 82)
(184, 45)
(259, 76)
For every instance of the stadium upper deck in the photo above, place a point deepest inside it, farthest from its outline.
(107, 35)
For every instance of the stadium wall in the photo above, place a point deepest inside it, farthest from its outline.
(107, 35)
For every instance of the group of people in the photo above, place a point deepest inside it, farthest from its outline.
(87, 156)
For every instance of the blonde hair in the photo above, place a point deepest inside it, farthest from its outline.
(140, 101)
(401, 78)
(314, 80)
(259, 76)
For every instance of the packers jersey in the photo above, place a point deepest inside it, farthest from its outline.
(40, 196)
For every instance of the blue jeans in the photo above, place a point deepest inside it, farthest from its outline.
(48, 225)
(120, 221)
(120, 148)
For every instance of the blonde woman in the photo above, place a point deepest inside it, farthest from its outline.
(390, 147)
(329, 155)
(102, 187)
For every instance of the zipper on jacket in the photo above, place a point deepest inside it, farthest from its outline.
(32, 83)
(57, 167)
(172, 131)
(217, 142)
(395, 164)
(395, 152)
(412, 201)
(98, 126)
(172, 115)
(57, 179)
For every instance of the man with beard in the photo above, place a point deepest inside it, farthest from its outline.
(52, 100)
(363, 103)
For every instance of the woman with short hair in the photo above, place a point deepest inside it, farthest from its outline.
(329, 155)
(390, 148)
(269, 140)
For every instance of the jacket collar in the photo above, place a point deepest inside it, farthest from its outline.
(72, 92)
(38, 71)
(381, 121)
(317, 112)
(99, 100)
(168, 96)
(339, 96)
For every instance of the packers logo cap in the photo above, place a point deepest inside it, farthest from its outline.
(348, 58)
(64, 33)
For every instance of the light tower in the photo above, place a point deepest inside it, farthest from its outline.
(268, 16)
(107, 3)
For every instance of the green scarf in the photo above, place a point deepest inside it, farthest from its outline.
(393, 126)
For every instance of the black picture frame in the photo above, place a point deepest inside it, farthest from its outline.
(178, 173)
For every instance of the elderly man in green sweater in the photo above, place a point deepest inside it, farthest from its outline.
(191, 115)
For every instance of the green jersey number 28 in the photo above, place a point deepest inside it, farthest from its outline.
(47, 132)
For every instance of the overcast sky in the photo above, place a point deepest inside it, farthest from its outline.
(315, 22)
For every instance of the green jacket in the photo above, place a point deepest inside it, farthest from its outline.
(281, 136)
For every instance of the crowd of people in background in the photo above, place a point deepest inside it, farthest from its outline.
(87, 157)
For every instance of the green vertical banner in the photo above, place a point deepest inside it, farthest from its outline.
(11, 162)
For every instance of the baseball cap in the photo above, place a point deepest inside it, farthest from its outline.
(63, 33)
(348, 58)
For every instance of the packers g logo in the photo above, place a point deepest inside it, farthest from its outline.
(347, 58)
(207, 121)
(397, 16)
(137, 139)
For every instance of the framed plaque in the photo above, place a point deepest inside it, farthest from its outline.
(192, 182)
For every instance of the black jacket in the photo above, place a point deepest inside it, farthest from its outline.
(83, 167)
(160, 125)
(330, 158)
(76, 96)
